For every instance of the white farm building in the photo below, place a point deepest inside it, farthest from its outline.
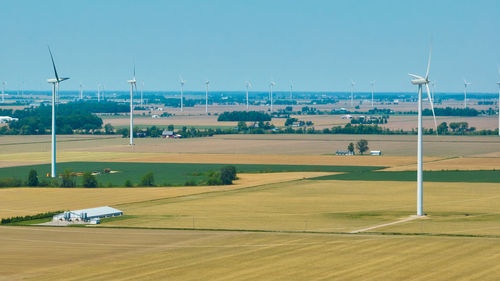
(92, 215)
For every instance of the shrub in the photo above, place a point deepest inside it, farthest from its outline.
(128, 183)
(148, 179)
(68, 178)
(89, 180)
(10, 182)
(32, 178)
(228, 174)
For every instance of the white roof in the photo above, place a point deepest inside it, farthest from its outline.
(99, 211)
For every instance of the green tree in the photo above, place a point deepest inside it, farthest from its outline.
(89, 180)
(109, 129)
(242, 126)
(68, 178)
(350, 147)
(128, 183)
(227, 174)
(362, 146)
(170, 127)
(148, 179)
(32, 178)
(442, 128)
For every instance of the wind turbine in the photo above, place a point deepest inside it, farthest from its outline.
(271, 85)
(3, 91)
(465, 92)
(206, 95)
(291, 90)
(498, 83)
(421, 81)
(142, 89)
(55, 88)
(352, 92)
(182, 92)
(432, 90)
(81, 91)
(248, 86)
(98, 92)
(373, 87)
(132, 85)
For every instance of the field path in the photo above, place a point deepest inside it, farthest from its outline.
(410, 218)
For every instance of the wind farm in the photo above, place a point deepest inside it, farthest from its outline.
(305, 145)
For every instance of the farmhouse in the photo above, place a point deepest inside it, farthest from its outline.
(7, 119)
(376, 152)
(170, 135)
(92, 215)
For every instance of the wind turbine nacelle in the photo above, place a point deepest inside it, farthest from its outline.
(131, 81)
(419, 81)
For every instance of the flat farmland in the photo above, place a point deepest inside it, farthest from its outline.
(30, 201)
(326, 206)
(144, 254)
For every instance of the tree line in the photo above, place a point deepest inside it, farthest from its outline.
(244, 116)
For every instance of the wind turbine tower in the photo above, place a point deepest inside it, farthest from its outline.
(271, 85)
(55, 88)
(421, 81)
(81, 91)
(142, 94)
(99, 93)
(206, 95)
(133, 85)
(3, 91)
(352, 93)
(182, 92)
(498, 104)
(465, 92)
(291, 90)
(248, 86)
(373, 88)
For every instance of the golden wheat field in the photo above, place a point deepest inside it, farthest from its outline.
(30, 201)
(33, 253)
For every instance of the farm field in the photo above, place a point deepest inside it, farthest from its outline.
(30, 201)
(326, 206)
(145, 254)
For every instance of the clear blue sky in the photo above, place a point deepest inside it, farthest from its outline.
(319, 45)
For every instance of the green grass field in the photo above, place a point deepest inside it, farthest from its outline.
(432, 176)
(165, 173)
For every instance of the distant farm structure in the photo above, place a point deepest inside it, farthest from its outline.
(91, 216)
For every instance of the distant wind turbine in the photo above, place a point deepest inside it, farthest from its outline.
(142, 89)
(465, 92)
(352, 92)
(3, 91)
(421, 81)
(433, 84)
(182, 92)
(271, 85)
(81, 91)
(55, 88)
(248, 86)
(206, 96)
(373, 87)
(133, 85)
(498, 104)
(291, 90)
(98, 92)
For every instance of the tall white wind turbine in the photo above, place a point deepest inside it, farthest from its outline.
(373, 88)
(271, 85)
(248, 86)
(133, 85)
(352, 92)
(498, 104)
(465, 92)
(421, 81)
(206, 95)
(81, 91)
(142, 90)
(55, 87)
(182, 92)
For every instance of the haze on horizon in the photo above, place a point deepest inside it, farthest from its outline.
(319, 45)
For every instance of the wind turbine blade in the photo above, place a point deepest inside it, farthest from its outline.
(432, 105)
(53, 64)
(429, 63)
(415, 76)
